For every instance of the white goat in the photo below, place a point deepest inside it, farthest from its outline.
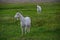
(25, 22)
(38, 9)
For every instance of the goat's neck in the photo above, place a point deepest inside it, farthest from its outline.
(21, 18)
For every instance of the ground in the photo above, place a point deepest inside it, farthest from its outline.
(44, 26)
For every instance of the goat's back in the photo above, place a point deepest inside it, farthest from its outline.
(27, 20)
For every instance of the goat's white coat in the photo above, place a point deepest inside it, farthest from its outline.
(25, 22)
(39, 9)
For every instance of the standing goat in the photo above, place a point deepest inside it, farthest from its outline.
(25, 22)
(38, 9)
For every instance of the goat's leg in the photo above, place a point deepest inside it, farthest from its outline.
(22, 30)
(25, 29)
(28, 28)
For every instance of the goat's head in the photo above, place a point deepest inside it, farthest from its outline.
(17, 15)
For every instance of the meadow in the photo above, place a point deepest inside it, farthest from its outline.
(44, 26)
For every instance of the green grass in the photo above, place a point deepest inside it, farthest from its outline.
(44, 26)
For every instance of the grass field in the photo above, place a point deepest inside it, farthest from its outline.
(44, 26)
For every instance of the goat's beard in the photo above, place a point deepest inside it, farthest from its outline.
(17, 18)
